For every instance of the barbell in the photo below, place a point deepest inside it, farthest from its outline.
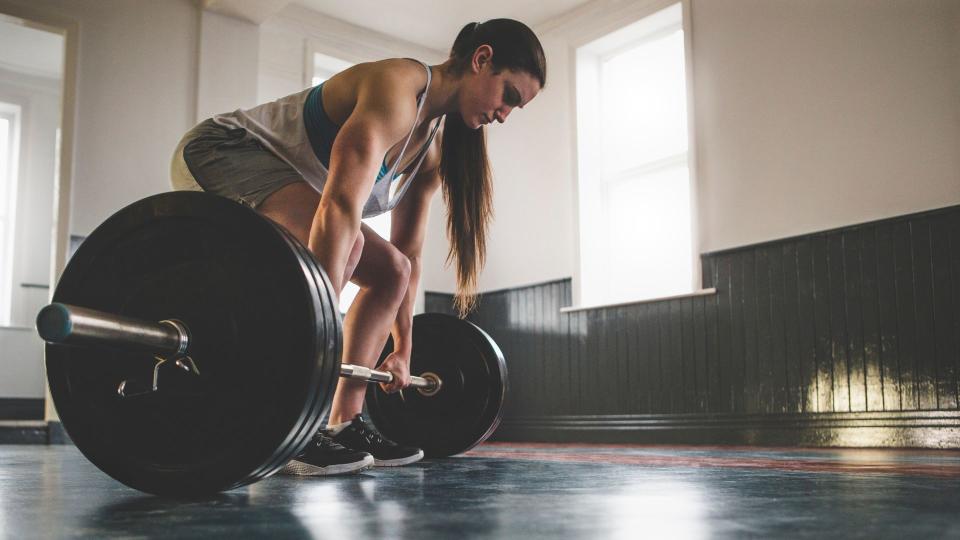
(193, 346)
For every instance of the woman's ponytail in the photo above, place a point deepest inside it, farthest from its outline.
(464, 168)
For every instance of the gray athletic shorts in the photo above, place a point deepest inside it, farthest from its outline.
(228, 162)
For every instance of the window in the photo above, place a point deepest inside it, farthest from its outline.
(9, 145)
(634, 181)
(324, 67)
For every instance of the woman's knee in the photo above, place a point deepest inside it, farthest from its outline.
(388, 271)
(400, 268)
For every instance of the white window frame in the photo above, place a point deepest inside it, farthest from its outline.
(326, 66)
(13, 114)
(585, 121)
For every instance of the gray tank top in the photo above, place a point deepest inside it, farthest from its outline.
(279, 126)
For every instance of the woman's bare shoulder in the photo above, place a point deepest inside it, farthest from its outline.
(385, 86)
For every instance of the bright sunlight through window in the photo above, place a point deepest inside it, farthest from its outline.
(9, 120)
(634, 183)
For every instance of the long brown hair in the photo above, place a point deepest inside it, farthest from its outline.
(464, 168)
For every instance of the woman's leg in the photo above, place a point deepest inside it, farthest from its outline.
(382, 274)
(380, 270)
(294, 206)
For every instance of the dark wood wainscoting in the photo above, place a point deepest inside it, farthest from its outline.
(848, 337)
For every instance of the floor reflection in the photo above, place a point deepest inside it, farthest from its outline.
(515, 491)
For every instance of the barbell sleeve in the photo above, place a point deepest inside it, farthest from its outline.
(73, 325)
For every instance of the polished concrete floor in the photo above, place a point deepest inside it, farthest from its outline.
(516, 491)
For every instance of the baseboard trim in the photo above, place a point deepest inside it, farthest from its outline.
(914, 429)
(33, 432)
(23, 432)
(21, 408)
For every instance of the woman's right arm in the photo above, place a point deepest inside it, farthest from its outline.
(384, 112)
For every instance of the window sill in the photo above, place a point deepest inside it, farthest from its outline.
(701, 292)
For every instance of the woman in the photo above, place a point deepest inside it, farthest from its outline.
(369, 130)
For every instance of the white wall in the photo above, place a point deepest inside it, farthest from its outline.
(288, 40)
(22, 363)
(817, 114)
(136, 95)
(809, 115)
(227, 73)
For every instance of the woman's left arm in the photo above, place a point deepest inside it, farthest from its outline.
(408, 228)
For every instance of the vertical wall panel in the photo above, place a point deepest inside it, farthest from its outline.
(565, 366)
(591, 358)
(743, 343)
(766, 391)
(519, 393)
(870, 316)
(624, 360)
(954, 221)
(778, 362)
(823, 318)
(923, 315)
(642, 359)
(791, 328)
(561, 337)
(838, 331)
(635, 360)
(889, 324)
(664, 390)
(674, 360)
(806, 302)
(750, 339)
(688, 368)
(853, 316)
(583, 363)
(700, 354)
(724, 314)
(655, 378)
(549, 340)
(715, 382)
(617, 320)
(539, 355)
(604, 337)
(906, 320)
(778, 365)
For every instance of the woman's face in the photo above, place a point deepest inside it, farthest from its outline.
(488, 96)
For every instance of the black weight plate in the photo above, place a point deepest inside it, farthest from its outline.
(468, 407)
(260, 338)
(331, 337)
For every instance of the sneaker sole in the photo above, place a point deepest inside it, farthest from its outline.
(399, 461)
(299, 468)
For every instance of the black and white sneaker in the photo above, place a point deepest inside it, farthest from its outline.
(360, 435)
(323, 456)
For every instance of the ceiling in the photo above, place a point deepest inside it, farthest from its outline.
(435, 23)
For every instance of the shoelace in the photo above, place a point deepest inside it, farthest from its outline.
(370, 433)
(322, 440)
